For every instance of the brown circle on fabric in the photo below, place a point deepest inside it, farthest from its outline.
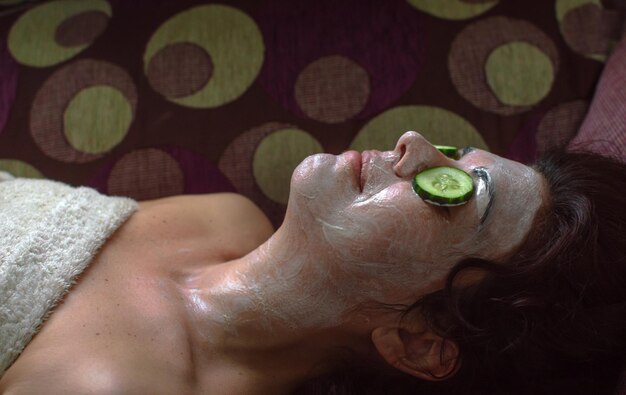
(236, 164)
(179, 69)
(560, 125)
(146, 174)
(471, 49)
(589, 29)
(332, 89)
(50, 102)
(81, 29)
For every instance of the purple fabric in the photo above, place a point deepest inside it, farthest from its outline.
(524, 147)
(8, 84)
(371, 33)
(604, 128)
(200, 176)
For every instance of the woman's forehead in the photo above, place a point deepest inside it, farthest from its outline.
(520, 192)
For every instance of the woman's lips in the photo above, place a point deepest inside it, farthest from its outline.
(365, 160)
(356, 162)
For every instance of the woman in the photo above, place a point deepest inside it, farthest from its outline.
(197, 294)
(550, 317)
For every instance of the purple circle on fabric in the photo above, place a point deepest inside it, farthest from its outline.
(385, 38)
(8, 84)
(523, 149)
(200, 174)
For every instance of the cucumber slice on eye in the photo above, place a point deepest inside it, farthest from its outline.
(444, 186)
(448, 150)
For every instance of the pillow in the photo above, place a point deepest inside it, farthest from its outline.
(604, 128)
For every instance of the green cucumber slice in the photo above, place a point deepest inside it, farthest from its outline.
(448, 150)
(444, 186)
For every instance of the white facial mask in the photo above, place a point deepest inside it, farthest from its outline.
(341, 247)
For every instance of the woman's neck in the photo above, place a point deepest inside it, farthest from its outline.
(278, 307)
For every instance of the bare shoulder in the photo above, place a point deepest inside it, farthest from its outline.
(88, 375)
(224, 209)
(223, 219)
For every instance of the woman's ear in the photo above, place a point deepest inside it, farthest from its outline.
(422, 354)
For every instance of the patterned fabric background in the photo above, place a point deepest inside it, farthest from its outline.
(156, 98)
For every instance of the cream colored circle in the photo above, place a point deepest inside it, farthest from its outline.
(232, 40)
(276, 158)
(19, 168)
(31, 38)
(97, 119)
(452, 9)
(519, 73)
(437, 125)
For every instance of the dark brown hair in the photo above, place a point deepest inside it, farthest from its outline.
(551, 318)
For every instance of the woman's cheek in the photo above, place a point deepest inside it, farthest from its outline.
(353, 238)
(385, 236)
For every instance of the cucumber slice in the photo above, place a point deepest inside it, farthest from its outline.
(448, 150)
(444, 186)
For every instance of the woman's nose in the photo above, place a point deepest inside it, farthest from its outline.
(416, 154)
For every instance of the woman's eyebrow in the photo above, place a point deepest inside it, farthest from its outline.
(466, 150)
(486, 182)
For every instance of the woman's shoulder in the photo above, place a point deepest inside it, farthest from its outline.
(226, 221)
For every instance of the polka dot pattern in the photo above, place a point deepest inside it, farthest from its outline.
(532, 68)
(81, 29)
(200, 97)
(232, 72)
(89, 101)
(19, 168)
(179, 70)
(53, 32)
(332, 89)
(162, 171)
(560, 125)
(587, 27)
(386, 41)
(97, 131)
(277, 156)
(146, 174)
(237, 165)
(454, 9)
(437, 125)
(472, 61)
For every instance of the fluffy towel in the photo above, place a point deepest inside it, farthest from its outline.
(49, 233)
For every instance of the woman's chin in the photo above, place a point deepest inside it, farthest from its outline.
(312, 176)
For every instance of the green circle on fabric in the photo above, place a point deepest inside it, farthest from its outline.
(31, 39)
(519, 73)
(452, 9)
(563, 7)
(437, 125)
(19, 168)
(276, 158)
(97, 119)
(219, 30)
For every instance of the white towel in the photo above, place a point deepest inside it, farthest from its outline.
(49, 233)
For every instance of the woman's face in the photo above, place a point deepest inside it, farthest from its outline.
(360, 212)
